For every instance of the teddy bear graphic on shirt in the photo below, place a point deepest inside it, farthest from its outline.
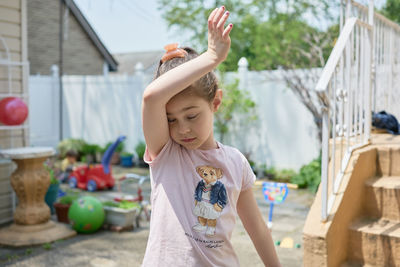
(210, 199)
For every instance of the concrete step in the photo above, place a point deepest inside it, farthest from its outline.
(375, 243)
(383, 198)
(388, 161)
(355, 264)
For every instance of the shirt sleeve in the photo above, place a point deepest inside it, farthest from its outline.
(165, 150)
(248, 175)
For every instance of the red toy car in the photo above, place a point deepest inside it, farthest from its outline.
(95, 177)
(91, 178)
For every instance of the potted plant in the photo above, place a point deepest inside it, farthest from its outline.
(140, 150)
(121, 213)
(52, 191)
(70, 144)
(88, 152)
(126, 159)
(62, 207)
(115, 159)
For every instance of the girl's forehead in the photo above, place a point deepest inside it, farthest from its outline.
(184, 102)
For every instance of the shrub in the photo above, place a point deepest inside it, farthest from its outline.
(70, 144)
(68, 199)
(285, 175)
(119, 148)
(270, 173)
(124, 204)
(309, 175)
(126, 154)
(140, 149)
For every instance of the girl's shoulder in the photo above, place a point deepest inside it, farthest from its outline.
(232, 152)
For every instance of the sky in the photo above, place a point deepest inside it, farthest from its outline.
(128, 25)
(135, 25)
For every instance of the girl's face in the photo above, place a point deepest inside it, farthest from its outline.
(191, 118)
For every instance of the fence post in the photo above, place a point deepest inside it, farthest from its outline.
(139, 72)
(243, 65)
(56, 90)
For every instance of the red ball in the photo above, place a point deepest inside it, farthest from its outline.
(13, 111)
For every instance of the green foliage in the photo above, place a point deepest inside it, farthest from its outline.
(126, 154)
(392, 10)
(269, 172)
(119, 149)
(235, 102)
(140, 149)
(285, 175)
(268, 33)
(47, 246)
(124, 204)
(70, 144)
(49, 167)
(67, 199)
(89, 149)
(281, 175)
(309, 175)
(28, 251)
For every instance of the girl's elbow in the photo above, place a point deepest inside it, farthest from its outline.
(148, 95)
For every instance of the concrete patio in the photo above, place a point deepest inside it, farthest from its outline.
(106, 248)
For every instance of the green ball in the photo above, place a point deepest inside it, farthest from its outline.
(86, 214)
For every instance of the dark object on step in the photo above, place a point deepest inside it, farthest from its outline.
(383, 120)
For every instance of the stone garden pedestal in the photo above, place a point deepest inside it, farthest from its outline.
(30, 182)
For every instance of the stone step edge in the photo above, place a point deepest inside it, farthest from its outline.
(381, 227)
(386, 182)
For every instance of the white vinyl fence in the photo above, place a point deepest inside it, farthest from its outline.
(100, 108)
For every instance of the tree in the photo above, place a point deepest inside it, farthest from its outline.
(263, 30)
(236, 102)
(392, 10)
(300, 80)
(270, 35)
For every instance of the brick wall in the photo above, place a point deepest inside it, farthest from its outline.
(81, 57)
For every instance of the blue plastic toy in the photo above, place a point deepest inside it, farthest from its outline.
(274, 193)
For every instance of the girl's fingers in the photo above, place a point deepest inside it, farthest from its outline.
(218, 15)
(221, 23)
(211, 17)
(227, 30)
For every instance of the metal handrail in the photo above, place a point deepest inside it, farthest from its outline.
(368, 44)
(346, 113)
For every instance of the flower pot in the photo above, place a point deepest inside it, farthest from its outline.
(62, 212)
(51, 196)
(120, 217)
(115, 158)
(126, 160)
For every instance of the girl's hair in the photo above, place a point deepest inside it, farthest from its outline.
(205, 87)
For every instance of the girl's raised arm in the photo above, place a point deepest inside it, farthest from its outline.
(162, 89)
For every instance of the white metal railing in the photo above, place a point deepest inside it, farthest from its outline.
(386, 54)
(359, 78)
(345, 86)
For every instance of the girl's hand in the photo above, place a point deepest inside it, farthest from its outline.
(219, 41)
(217, 207)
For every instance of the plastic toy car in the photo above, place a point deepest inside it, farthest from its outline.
(95, 177)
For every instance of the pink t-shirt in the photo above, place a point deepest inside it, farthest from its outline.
(194, 195)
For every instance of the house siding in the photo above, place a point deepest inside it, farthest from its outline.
(12, 30)
(80, 55)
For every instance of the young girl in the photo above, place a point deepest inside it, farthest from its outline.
(198, 184)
